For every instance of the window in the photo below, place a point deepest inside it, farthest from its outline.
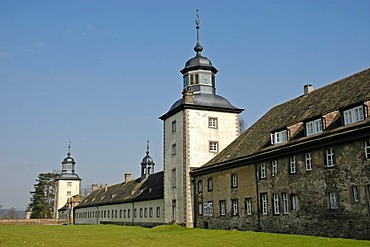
(124, 213)
(208, 208)
(174, 126)
(120, 213)
(146, 212)
(135, 213)
(200, 208)
(308, 160)
(158, 212)
(200, 186)
(69, 193)
(174, 211)
(128, 213)
(314, 127)
(196, 78)
(275, 198)
(235, 207)
(367, 149)
(69, 184)
(279, 137)
(248, 206)
(333, 200)
(234, 181)
(292, 165)
(355, 194)
(285, 203)
(150, 212)
(295, 202)
(263, 170)
(212, 122)
(274, 168)
(173, 178)
(330, 162)
(141, 213)
(353, 115)
(264, 204)
(222, 208)
(213, 147)
(210, 184)
(173, 150)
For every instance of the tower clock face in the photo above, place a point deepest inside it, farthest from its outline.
(205, 78)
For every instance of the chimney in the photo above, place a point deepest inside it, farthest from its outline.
(94, 187)
(308, 88)
(188, 95)
(127, 177)
(106, 187)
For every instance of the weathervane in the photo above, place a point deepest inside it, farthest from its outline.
(198, 48)
(147, 146)
(69, 148)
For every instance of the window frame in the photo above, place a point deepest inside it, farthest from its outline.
(248, 206)
(173, 126)
(200, 208)
(274, 168)
(173, 149)
(234, 207)
(329, 157)
(333, 200)
(174, 182)
(315, 126)
(295, 202)
(355, 194)
(213, 122)
(276, 204)
(263, 172)
(234, 180)
(285, 200)
(213, 146)
(353, 115)
(264, 204)
(222, 204)
(210, 184)
(200, 186)
(292, 165)
(308, 161)
(367, 149)
(279, 136)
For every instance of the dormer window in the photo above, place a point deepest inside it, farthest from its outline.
(279, 137)
(314, 127)
(353, 115)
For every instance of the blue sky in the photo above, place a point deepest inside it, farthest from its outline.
(101, 73)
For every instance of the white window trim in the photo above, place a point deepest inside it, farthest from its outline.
(330, 162)
(295, 203)
(355, 194)
(275, 198)
(285, 203)
(279, 137)
(293, 165)
(263, 170)
(333, 200)
(200, 209)
(235, 207)
(212, 122)
(274, 168)
(213, 146)
(264, 204)
(222, 208)
(353, 115)
(248, 206)
(234, 180)
(314, 127)
(367, 149)
(308, 162)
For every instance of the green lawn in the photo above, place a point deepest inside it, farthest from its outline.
(169, 235)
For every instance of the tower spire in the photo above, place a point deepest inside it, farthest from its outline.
(69, 148)
(147, 147)
(198, 48)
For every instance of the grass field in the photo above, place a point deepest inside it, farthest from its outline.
(169, 235)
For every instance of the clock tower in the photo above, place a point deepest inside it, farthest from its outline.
(196, 128)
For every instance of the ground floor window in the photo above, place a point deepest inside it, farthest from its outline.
(235, 207)
(248, 206)
(333, 200)
(264, 204)
(223, 208)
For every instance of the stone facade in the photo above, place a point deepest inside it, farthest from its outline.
(305, 183)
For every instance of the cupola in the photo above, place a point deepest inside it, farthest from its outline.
(147, 165)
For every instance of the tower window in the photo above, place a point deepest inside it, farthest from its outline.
(191, 79)
(213, 147)
(69, 184)
(196, 78)
(212, 122)
(174, 126)
(173, 151)
(69, 193)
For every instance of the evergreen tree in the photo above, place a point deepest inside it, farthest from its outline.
(42, 200)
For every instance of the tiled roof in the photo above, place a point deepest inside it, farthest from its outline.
(351, 90)
(135, 190)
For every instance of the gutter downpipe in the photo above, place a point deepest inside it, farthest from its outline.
(257, 197)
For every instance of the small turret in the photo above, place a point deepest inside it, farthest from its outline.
(147, 165)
